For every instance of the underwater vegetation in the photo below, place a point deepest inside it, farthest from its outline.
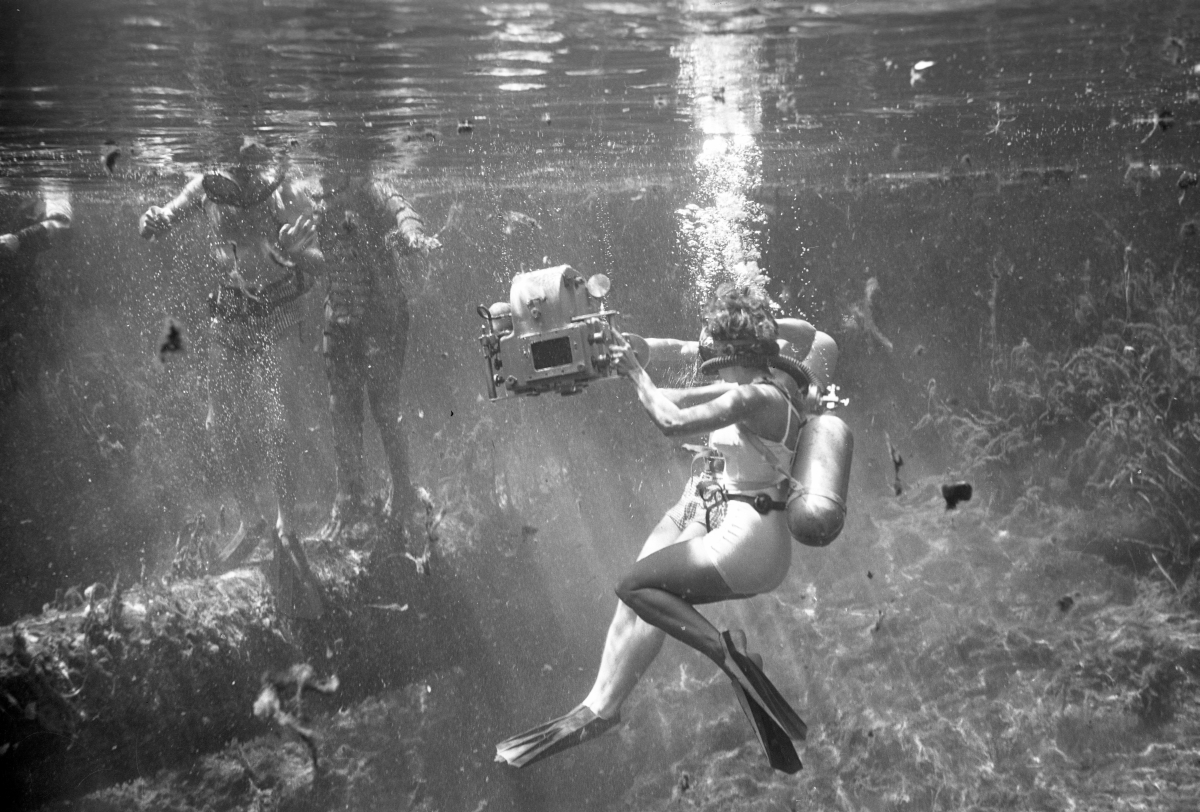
(1111, 423)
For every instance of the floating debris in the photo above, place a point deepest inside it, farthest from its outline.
(433, 518)
(861, 316)
(546, 119)
(465, 126)
(918, 350)
(1065, 603)
(1162, 120)
(452, 216)
(515, 220)
(718, 94)
(955, 493)
(390, 607)
(1000, 119)
(1189, 229)
(1186, 181)
(1173, 50)
(681, 786)
(171, 341)
(917, 73)
(897, 464)
(269, 705)
(111, 153)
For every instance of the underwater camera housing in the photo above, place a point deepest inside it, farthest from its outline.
(553, 335)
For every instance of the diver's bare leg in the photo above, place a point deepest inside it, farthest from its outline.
(663, 589)
(632, 643)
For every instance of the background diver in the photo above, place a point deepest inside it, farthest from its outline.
(367, 230)
(728, 538)
(261, 240)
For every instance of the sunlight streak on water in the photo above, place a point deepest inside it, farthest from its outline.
(720, 73)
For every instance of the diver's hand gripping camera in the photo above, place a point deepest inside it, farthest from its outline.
(553, 335)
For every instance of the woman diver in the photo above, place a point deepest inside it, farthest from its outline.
(728, 538)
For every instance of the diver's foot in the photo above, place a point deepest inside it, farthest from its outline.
(748, 674)
(781, 753)
(344, 519)
(573, 728)
(240, 546)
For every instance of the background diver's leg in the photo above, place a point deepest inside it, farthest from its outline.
(276, 394)
(386, 341)
(663, 589)
(632, 643)
(346, 373)
(230, 381)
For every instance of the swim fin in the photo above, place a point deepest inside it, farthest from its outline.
(238, 549)
(749, 675)
(781, 753)
(297, 592)
(573, 728)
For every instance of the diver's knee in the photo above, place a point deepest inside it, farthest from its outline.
(626, 589)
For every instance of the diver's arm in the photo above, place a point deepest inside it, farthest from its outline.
(408, 235)
(161, 219)
(669, 352)
(693, 395)
(735, 405)
(56, 219)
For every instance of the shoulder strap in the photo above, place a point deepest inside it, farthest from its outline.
(758, 445)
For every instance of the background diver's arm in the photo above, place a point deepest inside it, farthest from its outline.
(408, 235)
(53, 215)
(161, 219)
(298, 237)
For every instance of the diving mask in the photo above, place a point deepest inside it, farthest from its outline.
(241, 186)
(715, 353)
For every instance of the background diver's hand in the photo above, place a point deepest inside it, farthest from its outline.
(299, 236)
(9, 243)
(155, 221)
(411, 243)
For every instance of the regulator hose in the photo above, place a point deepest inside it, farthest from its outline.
(798, 370)
(715, 363)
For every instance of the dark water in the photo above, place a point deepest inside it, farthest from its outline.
(1040, 158)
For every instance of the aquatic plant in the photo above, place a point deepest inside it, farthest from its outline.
(1115, 419)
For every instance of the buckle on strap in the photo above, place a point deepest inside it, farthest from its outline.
(761, 502)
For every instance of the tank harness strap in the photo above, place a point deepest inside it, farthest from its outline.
(797, 490)
(761, 502)
(713, 495)
(769, 455)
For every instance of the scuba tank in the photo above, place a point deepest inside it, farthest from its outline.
(820, 472)
(816, 507)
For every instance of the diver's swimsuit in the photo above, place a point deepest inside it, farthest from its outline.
(752, 549)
